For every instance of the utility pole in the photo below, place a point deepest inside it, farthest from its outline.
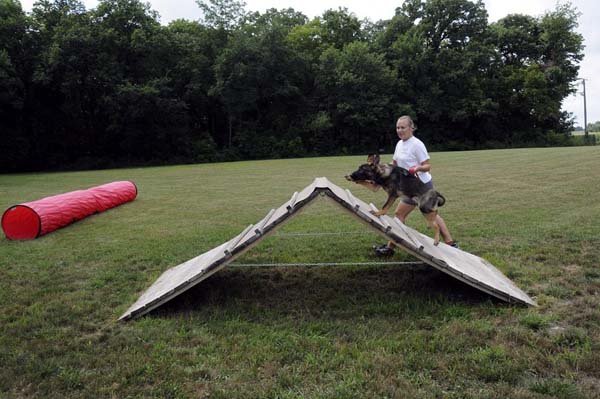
(585, 126)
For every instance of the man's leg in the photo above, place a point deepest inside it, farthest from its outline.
(402, 211)
(444, 229)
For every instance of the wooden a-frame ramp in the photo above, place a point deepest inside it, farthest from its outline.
(459, 264)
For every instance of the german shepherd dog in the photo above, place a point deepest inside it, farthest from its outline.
(398, 182)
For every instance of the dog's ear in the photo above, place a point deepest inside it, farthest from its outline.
(373, 159)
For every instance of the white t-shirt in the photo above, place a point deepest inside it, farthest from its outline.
(412, 152)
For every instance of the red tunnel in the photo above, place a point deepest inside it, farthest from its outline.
(33, 219)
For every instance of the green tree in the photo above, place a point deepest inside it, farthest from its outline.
(259, 81)
(441, 52)
(536, 71)
(147, 124)
(222, 14)
(145, 117)
(112, 86)
(340, 27)
(518, 39)
(354, 87)
(55, 109)
(14, 140)
(192, 76)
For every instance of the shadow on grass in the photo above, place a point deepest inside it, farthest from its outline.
(330, 291)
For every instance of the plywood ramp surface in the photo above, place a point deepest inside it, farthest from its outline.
(462, 265)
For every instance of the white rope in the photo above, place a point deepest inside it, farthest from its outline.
(339, 233)
(328, 264)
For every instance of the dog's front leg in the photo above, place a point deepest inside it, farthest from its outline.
(386, 206)
(432, 222)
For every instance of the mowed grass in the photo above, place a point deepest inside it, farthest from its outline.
(319, 332)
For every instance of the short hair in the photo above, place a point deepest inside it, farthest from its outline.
(410, 121)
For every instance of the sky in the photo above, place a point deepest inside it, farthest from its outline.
(384, 9)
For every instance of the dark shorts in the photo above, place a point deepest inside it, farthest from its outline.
(410, 201)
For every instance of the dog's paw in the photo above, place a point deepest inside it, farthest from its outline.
(436, 242)
(377, 213)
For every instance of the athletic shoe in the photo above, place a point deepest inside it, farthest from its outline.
(380, 246)
(384, 252)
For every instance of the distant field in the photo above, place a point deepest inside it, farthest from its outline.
(319, 332)
(581, 133)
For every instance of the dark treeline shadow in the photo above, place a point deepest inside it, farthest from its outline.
(112, 87)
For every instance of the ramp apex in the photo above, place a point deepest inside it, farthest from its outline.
(321, 182)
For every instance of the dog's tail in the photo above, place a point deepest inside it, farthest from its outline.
(441, 199)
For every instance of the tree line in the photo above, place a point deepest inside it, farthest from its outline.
(591, 127)
(111, 86)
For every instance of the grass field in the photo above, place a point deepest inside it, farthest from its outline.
(319, 332)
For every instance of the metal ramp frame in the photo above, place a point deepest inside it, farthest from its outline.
(459, 264)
